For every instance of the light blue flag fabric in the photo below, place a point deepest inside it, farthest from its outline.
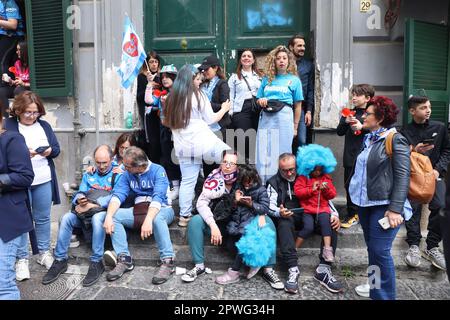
(133, 55)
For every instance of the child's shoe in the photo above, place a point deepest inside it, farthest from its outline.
(328, 254)
(229, 277)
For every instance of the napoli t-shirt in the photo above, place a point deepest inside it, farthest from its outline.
(10, 10)
(286, 88)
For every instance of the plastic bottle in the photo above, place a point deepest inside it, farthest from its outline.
(129, 121)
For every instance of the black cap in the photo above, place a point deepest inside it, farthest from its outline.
(210, 61)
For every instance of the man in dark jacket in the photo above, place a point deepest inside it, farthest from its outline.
(431, 139)
(280, 189)
(306, 73)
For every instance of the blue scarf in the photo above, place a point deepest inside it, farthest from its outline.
(374, 136)
(209, 88)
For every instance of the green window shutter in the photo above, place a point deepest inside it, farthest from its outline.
(50, 48)
(427, 60)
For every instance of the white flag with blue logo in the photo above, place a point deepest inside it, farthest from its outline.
(133, 55)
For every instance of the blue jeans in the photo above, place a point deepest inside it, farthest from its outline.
(301, 130)
(379, 244)
(274, 137)
(70, 221)
(8, 252)
(189, 175)
(124, 218)
(41, 205)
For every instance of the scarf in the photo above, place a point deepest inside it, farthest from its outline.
(209, 88)
(374, 136)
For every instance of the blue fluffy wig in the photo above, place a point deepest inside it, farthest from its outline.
(257, 244)
(310, 156)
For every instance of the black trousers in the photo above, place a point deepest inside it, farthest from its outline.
(7, 55)
(352, 209)
(246, 120)
(413, 234)
(231, 247)
(7, 93)
(152, 126)
(311, 222)
(286, 231)
(172, 169)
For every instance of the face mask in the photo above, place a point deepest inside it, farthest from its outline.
(230, 178)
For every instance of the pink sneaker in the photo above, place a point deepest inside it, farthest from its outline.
(328, 254)
(252, 272)
(230, 276)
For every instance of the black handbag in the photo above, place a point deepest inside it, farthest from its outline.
(223, 207)
(86, 216)
(255, 107)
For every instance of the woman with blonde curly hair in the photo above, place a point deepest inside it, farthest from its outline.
(280, 96)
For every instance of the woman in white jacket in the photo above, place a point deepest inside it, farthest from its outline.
(188, 113)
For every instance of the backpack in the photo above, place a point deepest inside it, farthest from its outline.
(422, 180)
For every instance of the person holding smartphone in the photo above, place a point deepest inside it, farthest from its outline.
(429, 138)
(43, 147)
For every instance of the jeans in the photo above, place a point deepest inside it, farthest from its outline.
(379, 244)
(413, 233)
(70, 221)
(274, 137)
(41, 204)
(197, 230)
(124, 218)
(8, 252)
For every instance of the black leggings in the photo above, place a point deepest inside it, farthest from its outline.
(7, 54)
(172, 169)
(310, 221)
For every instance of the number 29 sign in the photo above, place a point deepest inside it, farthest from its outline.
(364, 5)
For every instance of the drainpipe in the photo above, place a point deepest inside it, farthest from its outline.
(96, 76)
(77, 127)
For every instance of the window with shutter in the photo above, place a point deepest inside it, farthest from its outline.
(427, 60)
(50, 48)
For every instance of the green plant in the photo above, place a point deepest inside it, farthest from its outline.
(347, 272)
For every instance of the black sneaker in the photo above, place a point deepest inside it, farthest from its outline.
(291, 285)
(164, 272)
(124, 264)
(95, 271)
(325, 277)
(272, 278)
(57, 268)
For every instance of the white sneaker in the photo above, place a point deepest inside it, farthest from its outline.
(363, 290)
(22, 270)
(174, 193)
(46, 260)
(74, 243)
(110, 258)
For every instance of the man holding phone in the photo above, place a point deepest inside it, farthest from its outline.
(430, 138)
(287, 216)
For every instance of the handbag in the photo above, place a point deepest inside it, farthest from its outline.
(274, 106)
(86, 214)
(140, 213)
(223, 207)
(255, 107)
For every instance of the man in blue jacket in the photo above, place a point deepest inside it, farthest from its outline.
(102, 179)
(151, 213)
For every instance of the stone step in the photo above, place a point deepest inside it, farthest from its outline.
(348, 261)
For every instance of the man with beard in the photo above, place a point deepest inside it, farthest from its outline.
(306, 73)
(280, 189)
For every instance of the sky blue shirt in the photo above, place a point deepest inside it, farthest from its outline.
(285, 87)
(358, 183)
(10, 10)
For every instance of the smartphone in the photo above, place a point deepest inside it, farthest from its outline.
(297, 211)
(246, 198)
(428, 141)
(41, 149)
(384, 223)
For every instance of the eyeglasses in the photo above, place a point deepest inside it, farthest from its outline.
(31, 114)
(366, 114)
(290, 170)
(229, 163)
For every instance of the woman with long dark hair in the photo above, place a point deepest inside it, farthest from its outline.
(244, 85)
(188, 113)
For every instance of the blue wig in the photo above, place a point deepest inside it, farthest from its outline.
(310, 156)
(257, 244)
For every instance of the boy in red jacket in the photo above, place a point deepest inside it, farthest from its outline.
(314, 188)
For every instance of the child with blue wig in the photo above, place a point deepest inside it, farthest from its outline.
(314, 188)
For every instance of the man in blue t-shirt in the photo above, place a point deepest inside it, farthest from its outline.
(11, 31)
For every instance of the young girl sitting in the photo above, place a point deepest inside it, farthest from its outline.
(252, 202)
(314, 188)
